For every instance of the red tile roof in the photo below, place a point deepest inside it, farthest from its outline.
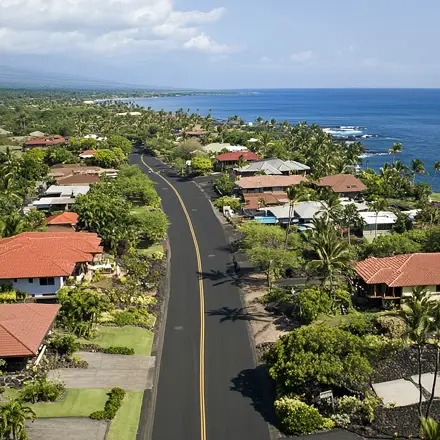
(235, 156)
(255, 182)
(341, 183)
(87, 153)
(55, 140)
(46, 254)
(275, 198)
(401, 270)
(78, 179)
(23, 327)
(66, 218)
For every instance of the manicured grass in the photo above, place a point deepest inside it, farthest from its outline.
(76, 403)
(435, 197)
(154, 249)
(137, 338)
(124, 426)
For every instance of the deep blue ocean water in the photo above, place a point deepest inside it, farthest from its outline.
(408, 116)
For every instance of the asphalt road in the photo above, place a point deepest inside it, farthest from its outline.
(234, 394)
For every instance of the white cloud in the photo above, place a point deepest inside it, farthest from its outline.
(104, 26)
(302, 57)
(204, 43)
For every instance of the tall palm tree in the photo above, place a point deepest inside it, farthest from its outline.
(295, 193)
(350, 218)
(376, 206)
(396, 148)
(12, 419)
(430, 429)
(332, 252)
(417, 167)
(436, 168)
(415, 313)
(434, 329)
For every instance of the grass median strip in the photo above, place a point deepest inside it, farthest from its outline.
(125, 424)
(76, 403)
(137, 338)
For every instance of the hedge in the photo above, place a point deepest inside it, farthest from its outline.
(114, 402)
(118, 350)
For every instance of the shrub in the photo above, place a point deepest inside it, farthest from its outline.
(311, 303)
(64, 345)
(233, 202)
(275, 296)
(118, 350)
(132, 316)
(392, 326)
(351, 406)
(42, 390)
(2, 390)
(297, 417)
(114, 402)
(359, 324)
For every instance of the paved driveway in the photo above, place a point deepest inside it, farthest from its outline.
(108, 371)
(71, 428)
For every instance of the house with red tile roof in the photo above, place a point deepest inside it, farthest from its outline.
(39, 263)
(88, 154)
(392, 278)
(229, 160)
(71, 175)
(45, 142)
(62, 222)
(346, 185)
(270, 184)
(23, 328)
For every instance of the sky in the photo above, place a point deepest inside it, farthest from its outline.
(227, 44)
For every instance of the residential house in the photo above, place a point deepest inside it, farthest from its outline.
(88, 154)
(228, 160)
(79, 175)
(39, 263)
(301, 214)
(261, 184)
(377, 223)
(58, 197)
(261, 200)
(272, 167)
(44, 142)
(218, 147)
(392, 278)
(346, 185)
(62, 222)
(23, 328)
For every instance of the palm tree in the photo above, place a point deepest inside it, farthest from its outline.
(333, 253)
(331, 202)
(295, 194)
(417, 167)
(396, 148)
(434, 329)
(376, 206)
(265, 141)
(430, 429)
(12, 419)
(415, 313)
(436, 168)
(13, 224)
(350, 218)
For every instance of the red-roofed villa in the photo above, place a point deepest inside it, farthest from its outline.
(62, 222)
(23, 328)
(227, 160)
(39, 263)
(392, 278)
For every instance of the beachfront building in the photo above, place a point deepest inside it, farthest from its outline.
(377, 223)
(274, 166)
(346, 185)
(267, 184)
(392, 278)
(39, 263)
(230, 160)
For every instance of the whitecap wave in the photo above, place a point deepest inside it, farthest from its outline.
(370, 154)
(344, 131)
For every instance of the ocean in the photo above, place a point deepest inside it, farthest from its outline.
(408, 116)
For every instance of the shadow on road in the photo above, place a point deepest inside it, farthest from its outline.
(219, 277)
(236, 314)
(255, 384)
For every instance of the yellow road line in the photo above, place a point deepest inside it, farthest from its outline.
(202, 305)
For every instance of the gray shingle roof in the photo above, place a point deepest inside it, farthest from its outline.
(274, 166)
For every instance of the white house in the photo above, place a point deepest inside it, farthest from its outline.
(39, 263)
(59, 197)
(375, 224)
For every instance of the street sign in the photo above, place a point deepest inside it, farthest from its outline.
(326, 395)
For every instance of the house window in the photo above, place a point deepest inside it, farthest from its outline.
(47, 281)
(31, 280)
(15, 280)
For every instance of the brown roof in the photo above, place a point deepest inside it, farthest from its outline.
(235, 156)
(401, 270)
(269, 181)
(341, 183)
(274, 198)
(78, 179)
(66, 170)
(23, 327)
(66, 218)
(46, 254)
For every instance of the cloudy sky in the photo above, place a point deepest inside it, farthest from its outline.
(227, 43)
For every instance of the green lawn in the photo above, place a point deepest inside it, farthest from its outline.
(154, 249)
(124, 426)
(136, 210)
(435, 197)
(76, 403)
(137, 338)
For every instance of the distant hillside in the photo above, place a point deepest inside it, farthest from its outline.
(21, 78)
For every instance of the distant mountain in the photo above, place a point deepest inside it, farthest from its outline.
(22, 78)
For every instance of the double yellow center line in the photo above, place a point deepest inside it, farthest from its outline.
(202, 306)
